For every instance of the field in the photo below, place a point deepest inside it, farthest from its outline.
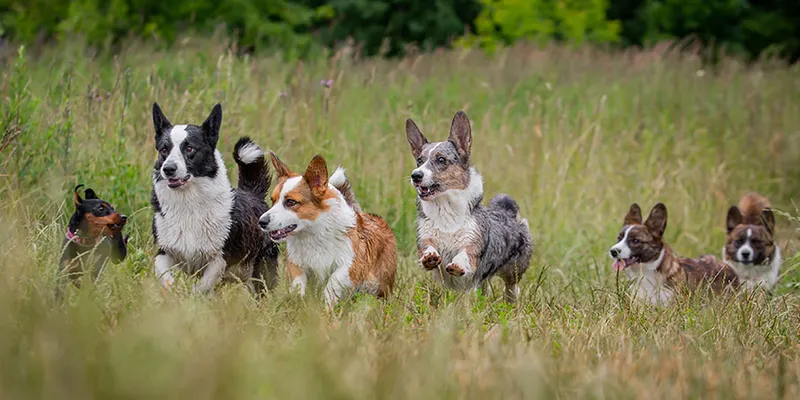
(575, 135)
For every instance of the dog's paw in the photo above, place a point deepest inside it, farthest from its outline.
(430, 258)
(455, 269)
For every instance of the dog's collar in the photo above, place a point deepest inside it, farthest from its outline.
(73, 237)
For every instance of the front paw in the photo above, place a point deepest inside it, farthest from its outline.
(430, 259)
(455, 269)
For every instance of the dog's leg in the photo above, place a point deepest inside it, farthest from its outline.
(338, 283)
(211, 276)
(165, 262)
(297, 278)
(428, 255)
(464, 263)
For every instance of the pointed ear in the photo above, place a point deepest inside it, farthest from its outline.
(77, 196)
(734, 218)
(160, 122)
(317, 176)
(634, 216)
(656, 222)
(212, 124)
(461, 135)
(280, 168)
(768, 219)
(89, 193)
(415, 138)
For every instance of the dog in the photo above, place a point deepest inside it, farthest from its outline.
(200, 223)
(750, 249)
(657, 272)
(94, 236)
(461, 241)
(327, 233)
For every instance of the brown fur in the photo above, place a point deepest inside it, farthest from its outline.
(375, 262)
(752, 205)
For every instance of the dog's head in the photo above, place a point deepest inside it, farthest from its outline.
(185, 151)
(749, 243)
(298, 200)
(639, 242)
(95, 217)
(441, 166)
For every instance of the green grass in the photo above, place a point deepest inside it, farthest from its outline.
(574, 135)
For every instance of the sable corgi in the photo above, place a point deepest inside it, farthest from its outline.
(94, 227)
(327, 233)
(200, 223)
(657, 272)
(751, 250)
(461, 241)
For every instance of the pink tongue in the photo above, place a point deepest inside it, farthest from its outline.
(619, 265)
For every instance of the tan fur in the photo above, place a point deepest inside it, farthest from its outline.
(681, 273)
(375, 262)
(751, 206)
(99, 226)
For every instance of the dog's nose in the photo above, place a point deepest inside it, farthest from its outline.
(417, 176)
(614, 253)
(169, 169)
(746, 254)
(263, 222)
(124, 218)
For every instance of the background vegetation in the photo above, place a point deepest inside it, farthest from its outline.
(392, 27)
(574, 134)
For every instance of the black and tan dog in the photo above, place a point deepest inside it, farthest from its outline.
(94, 235)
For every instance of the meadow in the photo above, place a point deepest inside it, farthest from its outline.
(575, 135)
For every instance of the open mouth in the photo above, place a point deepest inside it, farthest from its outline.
(176, 183)
(282, 233)
(426, 192)
(622, 263)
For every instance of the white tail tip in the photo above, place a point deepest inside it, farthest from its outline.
(338, 178)
(250, 153)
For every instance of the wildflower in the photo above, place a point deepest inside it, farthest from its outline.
(327, 83)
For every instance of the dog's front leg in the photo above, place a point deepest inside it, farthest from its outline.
(297, 278)
(164, 263)
(464, 263)
(338, 283)
(429, 257)
(211, 275)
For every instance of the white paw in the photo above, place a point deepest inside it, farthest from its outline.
(167, 281)
(459, 266)
(299, 286)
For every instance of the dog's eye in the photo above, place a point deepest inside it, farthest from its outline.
(635, 241)
(441, 160)
(290, 203)
(164, 151)
(419, 161)
(189, 149)
(101, 208)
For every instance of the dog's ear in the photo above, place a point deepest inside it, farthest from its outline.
(415, 138)
(317, 176)
(768, 219)
(90, 195)
(212, 124)
(77, 196)
(734, 218)
(656, 222)
(461, 135)
(634, 216)
(160, 122)
(280, 167)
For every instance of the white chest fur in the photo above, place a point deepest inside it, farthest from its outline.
(323, 246)
(754, 276)
(195, 220)
(649, 283)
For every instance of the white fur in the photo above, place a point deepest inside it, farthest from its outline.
(462, 260)
(320, 246)
(746, 252)
(177, 136)
(164, 263)
(754, 276)
(249, 153)
(195, 223)
(429, 251)
(648, 283)
(338, 178)
(448, 222)
(622, 246)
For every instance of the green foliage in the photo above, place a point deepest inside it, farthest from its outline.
(575, 21)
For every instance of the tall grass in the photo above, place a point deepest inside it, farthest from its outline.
(574, 135)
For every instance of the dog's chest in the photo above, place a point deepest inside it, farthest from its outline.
(193, 226)
(449, 236)
(320, 256)
(649, 285)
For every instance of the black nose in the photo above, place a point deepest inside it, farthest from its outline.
(614, 253)
(124, 218)
(263, 222)
(169, 169)
(416, 176)
(746, 254)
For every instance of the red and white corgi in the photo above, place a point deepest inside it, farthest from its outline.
(751, 249)
(327, 233)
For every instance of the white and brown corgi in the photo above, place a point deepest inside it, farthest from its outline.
(656, 271)
(200, 224)
(751, 249)
(327, 234)
(463, 242)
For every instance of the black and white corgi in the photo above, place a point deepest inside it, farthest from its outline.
(463, 242)
(751, 249)
(201, 224)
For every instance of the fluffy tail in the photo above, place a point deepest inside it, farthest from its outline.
(254, 173)
(340, 182)
(504, 202)
(751, 206)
